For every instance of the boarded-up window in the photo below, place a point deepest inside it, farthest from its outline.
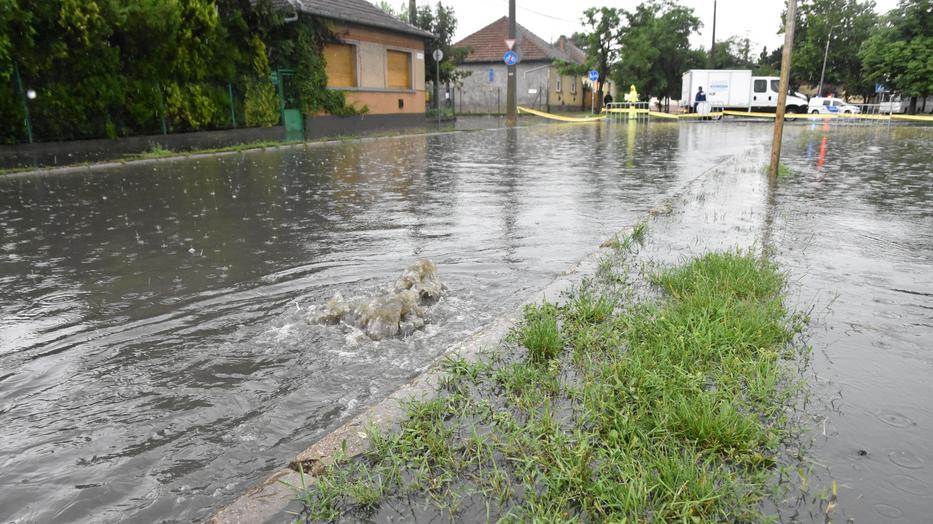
(341, 65)
(399, 65)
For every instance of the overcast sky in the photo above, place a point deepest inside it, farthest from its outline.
(759, 20)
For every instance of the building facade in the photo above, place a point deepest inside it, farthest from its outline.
(539, 82)
(378, 60)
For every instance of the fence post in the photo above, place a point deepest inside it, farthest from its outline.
(27, 122)
(161, 108)
(232, 104)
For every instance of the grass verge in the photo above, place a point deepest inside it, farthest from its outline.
(665, 410)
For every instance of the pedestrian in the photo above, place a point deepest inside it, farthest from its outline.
(701, 97)
(607, 99)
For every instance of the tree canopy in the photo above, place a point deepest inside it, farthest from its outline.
(899, 52)
(845, 25)
(655, 48)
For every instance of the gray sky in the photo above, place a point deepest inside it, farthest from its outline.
(759, 20)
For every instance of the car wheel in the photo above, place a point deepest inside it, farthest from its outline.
(847, 112)
(814, 112)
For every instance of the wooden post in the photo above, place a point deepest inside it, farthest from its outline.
(782, 94)
(511, 110)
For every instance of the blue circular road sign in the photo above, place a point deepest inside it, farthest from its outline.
(594, 75)
(510, 58)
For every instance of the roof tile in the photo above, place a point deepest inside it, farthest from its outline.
(488, 45)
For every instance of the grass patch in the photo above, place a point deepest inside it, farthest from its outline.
(540, 334)
(670, 410)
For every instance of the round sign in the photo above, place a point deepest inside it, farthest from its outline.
(510, 58)
(594, 75)
(438, 55)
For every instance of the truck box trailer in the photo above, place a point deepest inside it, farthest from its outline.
(737, 89)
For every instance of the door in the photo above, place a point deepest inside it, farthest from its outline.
(289, 103)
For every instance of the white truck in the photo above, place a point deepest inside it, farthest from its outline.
(738, 90)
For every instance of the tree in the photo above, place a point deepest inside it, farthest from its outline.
(899, 52)
(656, 48)
(442, 22)
(732, 53)
(845, 25)
(600, 42)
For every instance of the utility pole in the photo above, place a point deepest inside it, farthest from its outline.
(782, 94)
(511, 110)
(712, 47)
(412, 11)
(819, 91)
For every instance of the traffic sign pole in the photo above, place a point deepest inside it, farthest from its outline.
(511, 115)
(593, 75)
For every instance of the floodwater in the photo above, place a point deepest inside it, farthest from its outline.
(155, 357)
(852, 226)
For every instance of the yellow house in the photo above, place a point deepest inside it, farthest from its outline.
(378, 60)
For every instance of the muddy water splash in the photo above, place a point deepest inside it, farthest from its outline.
(399, 311)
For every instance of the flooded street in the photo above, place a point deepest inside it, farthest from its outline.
(854, 228)
(155, 353)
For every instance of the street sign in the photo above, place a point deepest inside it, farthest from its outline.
(510, 43)
(510, 58)
(438, 55)
(594, 75)
(880, 88)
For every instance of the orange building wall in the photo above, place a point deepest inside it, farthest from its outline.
(380, 103)
(372, 91)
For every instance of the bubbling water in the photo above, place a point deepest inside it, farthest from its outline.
(399, 311)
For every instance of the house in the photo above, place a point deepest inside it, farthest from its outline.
(540, 84)
(378, 60)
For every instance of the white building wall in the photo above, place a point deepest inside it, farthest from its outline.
(484, 90)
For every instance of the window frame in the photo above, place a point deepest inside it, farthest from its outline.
(411, 68)
(354, 67)
(763, 83)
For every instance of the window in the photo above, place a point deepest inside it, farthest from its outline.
(492, 75)
(573, 86)
(559, 84)
(827, 103)
(761, 86)
(399, 69)
(341, 65)
(776, 86)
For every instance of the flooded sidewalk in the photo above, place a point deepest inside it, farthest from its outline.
(154, 336)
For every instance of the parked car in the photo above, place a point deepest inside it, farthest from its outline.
(830, 105)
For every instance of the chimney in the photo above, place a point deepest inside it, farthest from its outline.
(561, 41)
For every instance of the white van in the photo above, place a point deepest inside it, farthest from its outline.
(829, 105)
(737, 89)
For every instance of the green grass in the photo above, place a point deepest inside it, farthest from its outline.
(540, 334)
(671, 410)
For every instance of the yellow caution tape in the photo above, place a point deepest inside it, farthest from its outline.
(789, 116)
(560, 118)
(913, 118)
(663, 115)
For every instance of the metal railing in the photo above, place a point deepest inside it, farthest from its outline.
(619, 111)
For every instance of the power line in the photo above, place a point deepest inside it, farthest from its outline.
(545, 15)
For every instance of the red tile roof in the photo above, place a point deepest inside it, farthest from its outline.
(488, 45)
